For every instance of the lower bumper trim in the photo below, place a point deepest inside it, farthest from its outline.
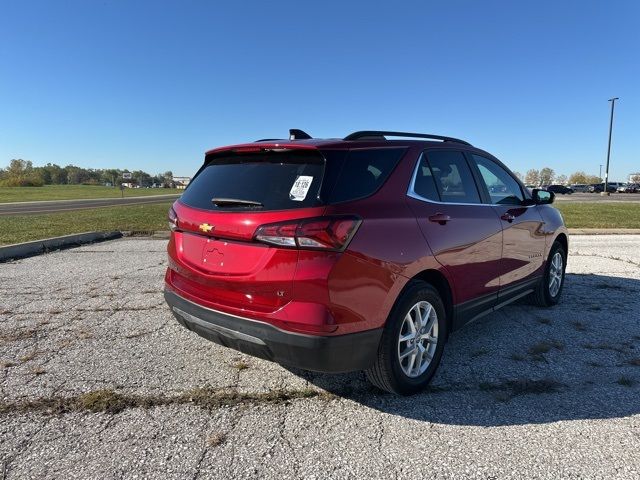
(334, 354)
(222, 330)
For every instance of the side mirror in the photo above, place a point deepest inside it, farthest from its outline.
(542, 197)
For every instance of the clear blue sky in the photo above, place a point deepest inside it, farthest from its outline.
(152, 85)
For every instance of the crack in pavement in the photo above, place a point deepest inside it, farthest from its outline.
(606, 257)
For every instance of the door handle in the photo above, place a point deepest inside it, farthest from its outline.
(507, 217)
(440, 218)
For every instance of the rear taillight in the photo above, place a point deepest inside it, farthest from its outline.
(323, 233)
(173, 219)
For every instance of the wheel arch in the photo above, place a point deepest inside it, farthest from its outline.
(437, 280)
(564, 241)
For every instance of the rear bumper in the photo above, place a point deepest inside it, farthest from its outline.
(334, 354)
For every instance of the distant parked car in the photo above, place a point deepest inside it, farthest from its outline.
(599, 187)
(579, 187)
(559, 189)
(497, 189)
(629, 188)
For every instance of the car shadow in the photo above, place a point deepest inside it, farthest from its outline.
(524, 364)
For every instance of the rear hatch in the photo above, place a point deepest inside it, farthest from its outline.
(229, 198)
(246, 200)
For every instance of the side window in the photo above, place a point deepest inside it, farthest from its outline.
(502, 187)
(446, 176)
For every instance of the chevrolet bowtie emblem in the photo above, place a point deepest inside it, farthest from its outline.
(205, 227)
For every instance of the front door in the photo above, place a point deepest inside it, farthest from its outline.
(523, 235)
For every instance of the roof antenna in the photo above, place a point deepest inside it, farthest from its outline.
(295, 134)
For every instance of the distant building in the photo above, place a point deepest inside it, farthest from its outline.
(181, 182)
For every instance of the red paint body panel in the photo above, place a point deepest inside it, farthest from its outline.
(553, 227)
(523, 251)
(469, 246)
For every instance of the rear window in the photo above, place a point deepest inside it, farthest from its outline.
(291, 179)
(273, 180)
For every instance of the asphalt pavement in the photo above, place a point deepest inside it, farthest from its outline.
(22, 208)
(98, 380)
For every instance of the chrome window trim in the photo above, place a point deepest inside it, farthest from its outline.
(412, 193)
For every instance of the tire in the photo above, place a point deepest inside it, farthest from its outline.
(546, 295)
(389, 372)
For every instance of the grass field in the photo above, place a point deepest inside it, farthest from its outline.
(22, 228)
(72, 192)
(600, 215)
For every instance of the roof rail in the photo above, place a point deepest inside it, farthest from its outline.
(369, 134)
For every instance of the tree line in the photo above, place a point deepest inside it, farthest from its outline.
(547, 176)
(22, 173)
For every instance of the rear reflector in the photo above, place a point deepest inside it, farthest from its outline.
(321, 233)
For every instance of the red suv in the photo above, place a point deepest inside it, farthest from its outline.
(360, 253)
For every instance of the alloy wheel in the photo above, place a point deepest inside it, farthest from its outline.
(418, 339)
(556, 270)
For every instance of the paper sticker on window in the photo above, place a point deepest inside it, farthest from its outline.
(300, 188)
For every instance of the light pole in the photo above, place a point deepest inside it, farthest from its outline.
(600, 176)
(606, 173)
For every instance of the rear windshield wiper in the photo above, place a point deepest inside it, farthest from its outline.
(226, 202)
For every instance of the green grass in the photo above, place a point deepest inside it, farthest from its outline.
(600, 215)
(71, 192)
(23, 228)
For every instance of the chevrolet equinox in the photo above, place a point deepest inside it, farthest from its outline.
(361, 253)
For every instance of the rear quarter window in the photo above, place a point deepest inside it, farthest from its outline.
(358, 173)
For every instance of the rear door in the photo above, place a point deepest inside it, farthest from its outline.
(464, 235)
(523, 235)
